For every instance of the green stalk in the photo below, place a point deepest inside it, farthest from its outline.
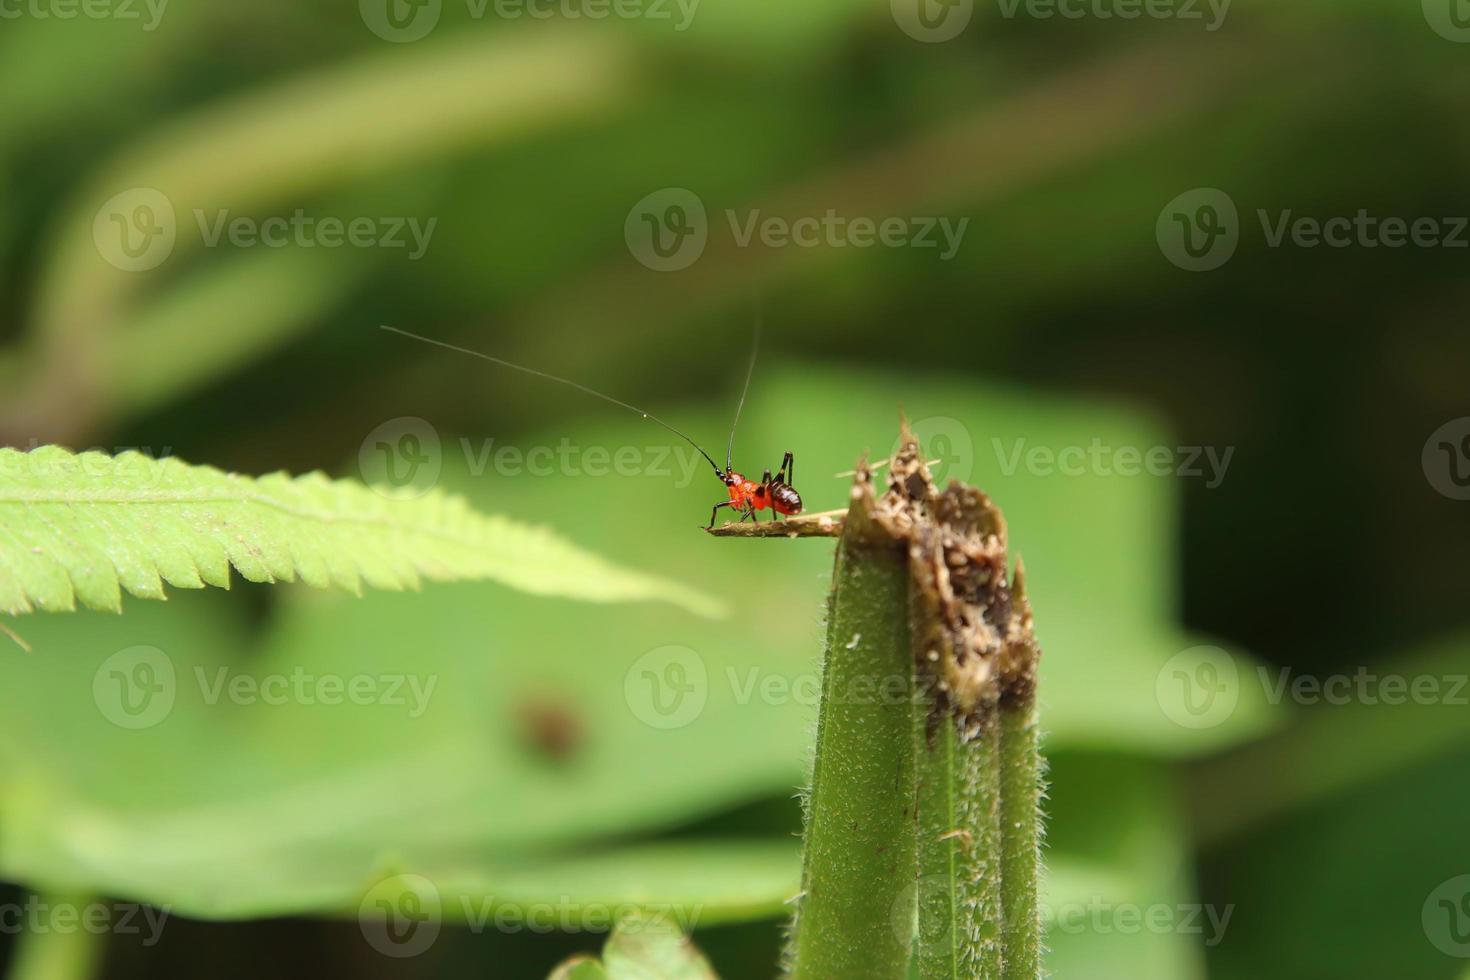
(926, 781)
(1020, 796)
(855, 911)
(959, 799)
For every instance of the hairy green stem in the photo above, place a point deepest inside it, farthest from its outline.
(58, 954)
(959, 893)
(926, 781)
(1020, 796)
(855, 915)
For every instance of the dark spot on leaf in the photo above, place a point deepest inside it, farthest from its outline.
(551, 727)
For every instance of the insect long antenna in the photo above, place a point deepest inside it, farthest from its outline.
(566, 381)
(755, 348)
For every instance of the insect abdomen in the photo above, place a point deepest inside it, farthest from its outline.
(786, 500)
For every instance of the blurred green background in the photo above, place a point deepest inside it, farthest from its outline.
(581, 185)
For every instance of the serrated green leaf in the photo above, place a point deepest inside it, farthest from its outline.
(85, 527)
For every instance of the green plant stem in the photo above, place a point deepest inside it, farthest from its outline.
(925, 803)
(856, 909)
(1020, 796)
(57, 954)
(959, 850)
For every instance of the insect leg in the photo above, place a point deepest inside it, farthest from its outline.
(787, 473)
(716, 509)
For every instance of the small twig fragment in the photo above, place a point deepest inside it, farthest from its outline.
(15, 638)
(824, 524)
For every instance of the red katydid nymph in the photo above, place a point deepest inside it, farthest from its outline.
(747, 497)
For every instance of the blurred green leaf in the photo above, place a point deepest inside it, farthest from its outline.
(641, 949)
(185, 805)
(579, 968)
(1360, 730)
(526, 726)
(1379, 759)
(1393, 846)
(1139, 915)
